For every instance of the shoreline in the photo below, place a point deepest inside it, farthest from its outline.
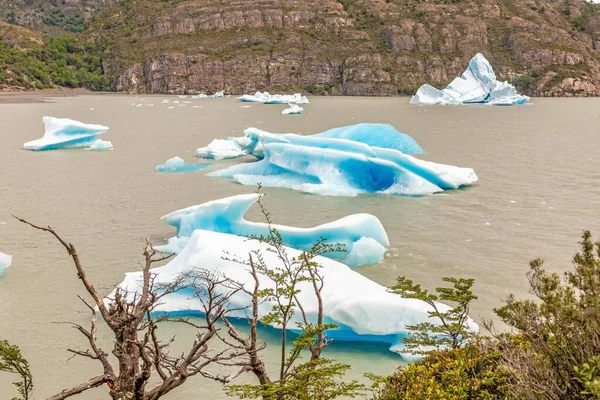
(44, 95)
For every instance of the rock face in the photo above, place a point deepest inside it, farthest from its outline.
(347, 47)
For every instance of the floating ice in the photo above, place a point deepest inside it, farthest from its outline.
(5, 261)
(220, 149)
(362, 235)
(477, 84)
(206, 96)
(362, 309)
(339, 167)
(176, 164)
(267, 98)
(101, 145)
(65, 133)
(378, 135)
(293, 109)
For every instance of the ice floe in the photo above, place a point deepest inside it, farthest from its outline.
(341, 167)
(65, 133)
(293, 109)
(363, 237)
(5, 261)
(177, 164)
(267, 98)
(101, 145)
(362, 309)
(477, 84)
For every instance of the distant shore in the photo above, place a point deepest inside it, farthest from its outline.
(41, 96)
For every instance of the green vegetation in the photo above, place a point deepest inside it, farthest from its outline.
(12, 361)
(553, 352)
(61, 61)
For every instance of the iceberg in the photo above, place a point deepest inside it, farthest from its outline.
(339, 167)
(267, 98)
(363, 310)
(363, 237)
(176, 164)
(65, 133)
(220, 149)
(378, 135)
(5, 261)
(292, 109)
(477, 84)
(206, 96)
(101, 145)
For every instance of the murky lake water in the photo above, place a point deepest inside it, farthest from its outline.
(538, 167)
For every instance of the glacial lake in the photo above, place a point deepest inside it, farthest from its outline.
(538, 168)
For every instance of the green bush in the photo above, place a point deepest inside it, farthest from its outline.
(467, 373)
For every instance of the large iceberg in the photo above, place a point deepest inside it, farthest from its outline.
(293, 109)
(267, 98)
(65, 133)
(177, 164)
(5, 261)
(477, 84)
(379, 135)
(340, 167)
(362, 309)
(363, 237)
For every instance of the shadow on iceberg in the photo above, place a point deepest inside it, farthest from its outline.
(477, 85)
(64, 133)
(362, 235)
(362, 309)
(339, 162)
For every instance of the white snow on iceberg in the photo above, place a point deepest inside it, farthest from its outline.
(339, 167)
(477, 84)
(5, 261)
(176, 164)
(293, 109)
(65, 133)
(220, 149)
(101, 145)
(267, 98)
(362, 309)
(363, 237)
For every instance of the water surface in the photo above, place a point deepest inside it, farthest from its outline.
(538, 189)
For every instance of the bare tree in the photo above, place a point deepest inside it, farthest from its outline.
(138, 350)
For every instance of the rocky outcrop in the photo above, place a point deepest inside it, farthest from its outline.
(350, 47)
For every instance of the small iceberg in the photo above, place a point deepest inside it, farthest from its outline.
(5, 261)
(477, 85)
(292, 109)
(220, 149)
(341, 167)
(62, 133)
(267, 98)
(176, 164)
(101, 145)
(206, 96)
(363, 237)
(363, 310)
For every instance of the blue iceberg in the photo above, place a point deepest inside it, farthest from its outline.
(63, 133)
(379, 135)
(363, 310)
(176, 164)
(5, 261)
(477, 84)
(362, 235)
(341, 167)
